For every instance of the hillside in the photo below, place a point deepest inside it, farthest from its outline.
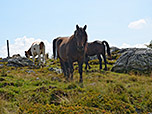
(41, 91)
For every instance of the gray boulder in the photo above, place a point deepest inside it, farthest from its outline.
(19, 62)
(134, 59)
(1, 65)
(57, 70)
(30, 71)
(4, 60)
(114, 49)
(123, 50)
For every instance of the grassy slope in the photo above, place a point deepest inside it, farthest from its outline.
(102, 92)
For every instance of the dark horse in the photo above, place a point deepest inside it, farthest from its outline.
(71, 49)
(97, 48)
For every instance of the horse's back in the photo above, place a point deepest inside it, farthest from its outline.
(95, 47)
(38, 44)
(62, 44)
(38, 47)
(35, 43)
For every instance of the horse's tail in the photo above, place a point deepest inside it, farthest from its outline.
(108, 48)
(54, 48)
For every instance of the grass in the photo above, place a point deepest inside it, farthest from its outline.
(37, 92)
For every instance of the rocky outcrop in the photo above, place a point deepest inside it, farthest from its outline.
(17, 61)
(134, 59)
(20, 62)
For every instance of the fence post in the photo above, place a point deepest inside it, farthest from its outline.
(8, 49)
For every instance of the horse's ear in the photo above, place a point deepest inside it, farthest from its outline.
(77, 27)
(84, 28)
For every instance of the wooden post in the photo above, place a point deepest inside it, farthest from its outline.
(8, 49)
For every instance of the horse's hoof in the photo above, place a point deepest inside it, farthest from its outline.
(71, 78)
(81, 85)
(67, 79)
(86, 71)
(65, 75)
(105, 69)
(81, 81)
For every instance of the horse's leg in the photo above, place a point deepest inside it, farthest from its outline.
(33, 57)
(63, 67)
(104, 57)
(43, 58)
(71, 69)
(67, 70)
(80, 63)
(39, 58)
(86, 62)
(100, 61)
(89, 66)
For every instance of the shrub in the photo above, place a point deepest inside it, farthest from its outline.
(107, 103)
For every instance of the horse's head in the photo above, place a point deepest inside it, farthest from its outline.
(81, 37)
(27, 54)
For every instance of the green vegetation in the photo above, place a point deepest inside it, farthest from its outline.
(38, 92)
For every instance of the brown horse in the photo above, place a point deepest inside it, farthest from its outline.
(97, 48)
(71, 49)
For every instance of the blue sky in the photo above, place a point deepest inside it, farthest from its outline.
(117, 21)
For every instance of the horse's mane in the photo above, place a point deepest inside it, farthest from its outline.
(72, 38)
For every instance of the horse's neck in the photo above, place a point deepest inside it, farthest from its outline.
(72, 40)
(29, 51)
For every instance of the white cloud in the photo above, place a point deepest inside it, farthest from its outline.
(139, 24)
(125, 45)
(23, 44)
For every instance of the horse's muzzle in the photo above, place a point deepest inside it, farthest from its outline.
(80, 48)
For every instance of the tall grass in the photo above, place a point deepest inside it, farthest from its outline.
(102, 91)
